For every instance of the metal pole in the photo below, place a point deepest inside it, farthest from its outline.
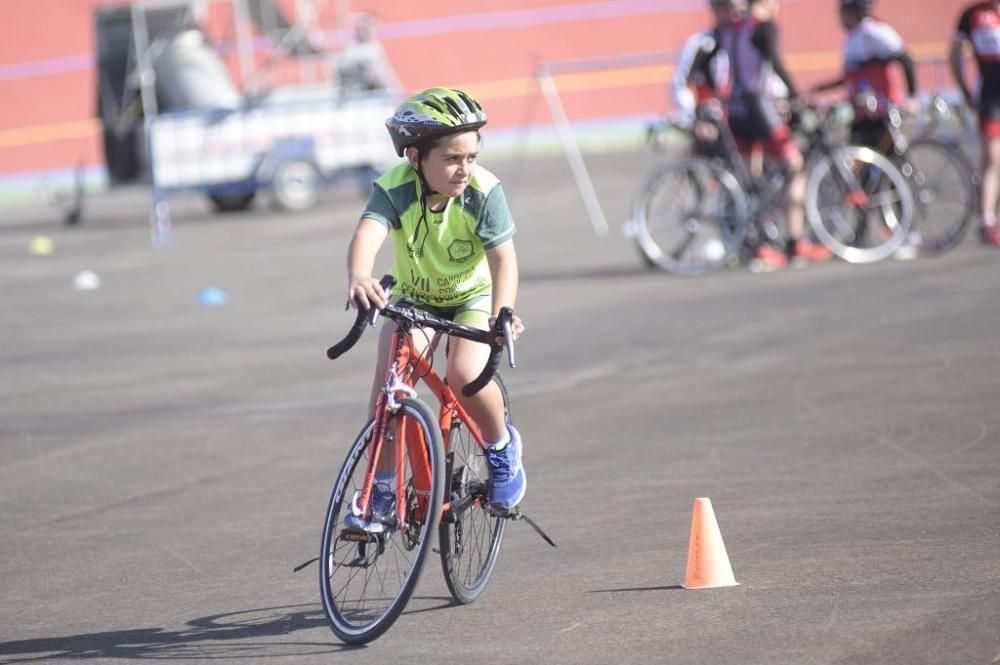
(244, 46)
(159, 214)
(572, 150)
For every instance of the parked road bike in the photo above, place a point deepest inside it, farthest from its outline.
(940, 177)
(704, 212)
(367, 575)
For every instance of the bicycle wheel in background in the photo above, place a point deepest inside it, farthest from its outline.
(858, 204)
(944, 193)
(366, 578)
(689, 217)
(470, 536)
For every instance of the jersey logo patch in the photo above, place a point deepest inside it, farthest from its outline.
(460, 251)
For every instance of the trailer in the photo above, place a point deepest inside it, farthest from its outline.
(174, 116)
(287, 150)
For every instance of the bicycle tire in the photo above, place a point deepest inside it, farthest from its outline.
(944, 193)
(868, 230)
(689, 217)
(347, 568)
(470, 541)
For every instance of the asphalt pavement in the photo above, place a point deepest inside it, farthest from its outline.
(165, 464)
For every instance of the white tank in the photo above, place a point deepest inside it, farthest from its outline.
(189, 75)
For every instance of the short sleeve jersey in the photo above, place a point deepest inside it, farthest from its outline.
(980, 25)
(869, 50)
(440, 257)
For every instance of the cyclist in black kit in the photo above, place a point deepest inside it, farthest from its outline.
(751, 47)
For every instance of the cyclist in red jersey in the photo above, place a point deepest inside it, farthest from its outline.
(871, 49)
(979, 25)
(751, 46)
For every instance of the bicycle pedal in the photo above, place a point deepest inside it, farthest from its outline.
(358, 536)
(506, 513)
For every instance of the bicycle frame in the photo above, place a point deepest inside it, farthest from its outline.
(402, 375)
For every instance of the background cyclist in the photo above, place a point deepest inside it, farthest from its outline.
(700, 77)
(979, 25)
(454, 255)
(751, 48)
(871, 50)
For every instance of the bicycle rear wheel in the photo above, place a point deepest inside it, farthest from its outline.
(858, 204)
(689, 217)
(470, 536)
(366, 579)
(944, 193)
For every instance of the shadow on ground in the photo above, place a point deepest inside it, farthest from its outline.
(243, 634)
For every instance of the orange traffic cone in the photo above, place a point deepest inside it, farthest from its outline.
(708, 564)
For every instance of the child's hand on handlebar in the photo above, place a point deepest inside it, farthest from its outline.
(364, 291)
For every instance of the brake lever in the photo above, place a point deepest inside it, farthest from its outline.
(508, 336)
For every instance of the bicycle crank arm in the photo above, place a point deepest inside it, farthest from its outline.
(362, 539)
(452, 510)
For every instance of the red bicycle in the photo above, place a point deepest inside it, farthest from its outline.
(367, 575)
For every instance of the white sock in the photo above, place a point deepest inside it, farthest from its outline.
(989, 220)
(500, 443)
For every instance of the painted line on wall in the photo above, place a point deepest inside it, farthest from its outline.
(606, 79)
(474, 22)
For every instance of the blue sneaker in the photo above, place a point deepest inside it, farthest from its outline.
(507, 479)
(383, 505)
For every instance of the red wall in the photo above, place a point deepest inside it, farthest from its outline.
(44, 119)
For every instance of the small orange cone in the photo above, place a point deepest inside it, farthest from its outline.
(708, 564)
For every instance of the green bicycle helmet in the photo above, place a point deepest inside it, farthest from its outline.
(432, 113)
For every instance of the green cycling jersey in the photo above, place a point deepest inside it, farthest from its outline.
(440, 257)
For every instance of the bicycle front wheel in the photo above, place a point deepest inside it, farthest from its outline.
(470, 536)
(689, 217)
(367, 578)
(858, 204)
(944, 193)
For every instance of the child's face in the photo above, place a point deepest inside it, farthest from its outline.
(449, 166)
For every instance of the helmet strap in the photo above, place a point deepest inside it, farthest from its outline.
(425, 193)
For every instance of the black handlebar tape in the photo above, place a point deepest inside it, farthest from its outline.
(506, 314)
(480, 381)
(354, 334)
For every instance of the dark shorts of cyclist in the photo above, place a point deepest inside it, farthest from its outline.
(979, 27)
(757, 126)
(989, 110)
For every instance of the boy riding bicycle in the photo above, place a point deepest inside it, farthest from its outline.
(453, 255)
